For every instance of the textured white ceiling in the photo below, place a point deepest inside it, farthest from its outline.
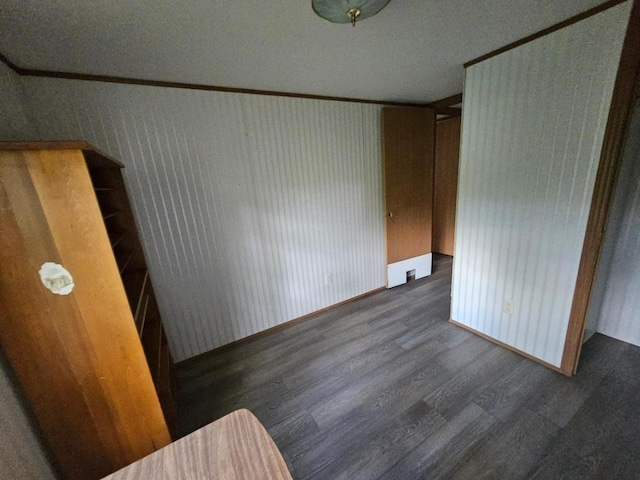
(411, 51)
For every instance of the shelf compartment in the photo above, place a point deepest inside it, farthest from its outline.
(135, 283)
(141, 318)
(119, 237)
(125, 264)
(151, 343)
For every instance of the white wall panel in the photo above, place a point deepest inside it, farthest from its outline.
(15, 119)
(533, 124)
(615, 306)
(253, 210)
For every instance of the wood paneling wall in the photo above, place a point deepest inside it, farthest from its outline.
(615, 306)
(445, 184)
(253, 210)
(532, 132)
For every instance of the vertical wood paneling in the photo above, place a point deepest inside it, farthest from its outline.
(533, 124)
(253, 210)
(610, 158)
(615, 306)
(445, 184)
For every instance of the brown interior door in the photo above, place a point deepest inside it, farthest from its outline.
(408, 155)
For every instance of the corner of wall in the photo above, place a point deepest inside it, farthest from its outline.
(16, 119)
(613, 306)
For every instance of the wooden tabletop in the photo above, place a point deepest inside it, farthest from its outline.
(235, 447)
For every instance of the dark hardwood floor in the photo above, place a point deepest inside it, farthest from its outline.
(385, 387)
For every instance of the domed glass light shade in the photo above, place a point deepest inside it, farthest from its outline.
(347, 11)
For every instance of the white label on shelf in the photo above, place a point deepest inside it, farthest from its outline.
(56, 278)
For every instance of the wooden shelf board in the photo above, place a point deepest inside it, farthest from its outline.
(94, 157)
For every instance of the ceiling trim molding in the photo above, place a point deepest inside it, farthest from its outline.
(569, 21)
(29, 72)
(444, 106)
(449, 112)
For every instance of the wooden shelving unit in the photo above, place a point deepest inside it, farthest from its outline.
(127, 249)
(93, 363)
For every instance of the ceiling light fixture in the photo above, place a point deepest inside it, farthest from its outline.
(347, 11)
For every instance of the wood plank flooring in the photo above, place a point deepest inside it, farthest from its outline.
(384, 387)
